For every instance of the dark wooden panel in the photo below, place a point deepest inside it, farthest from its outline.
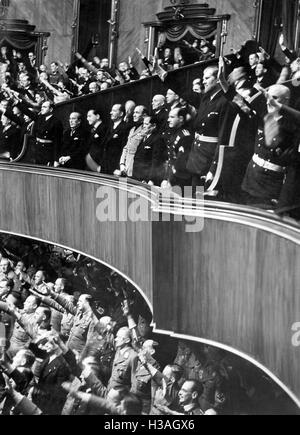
(232, 284)
(63, 211)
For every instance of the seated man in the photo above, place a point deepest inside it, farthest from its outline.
(74, 144)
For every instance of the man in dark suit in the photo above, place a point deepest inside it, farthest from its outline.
(114, 142)
(74, 144)
(96, 139)
(142, 164)
(9, 138)
(160, 111)
(48, 394)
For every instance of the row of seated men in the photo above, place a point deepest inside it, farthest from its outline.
(65, 355)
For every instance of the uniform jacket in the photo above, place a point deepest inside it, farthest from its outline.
(265, 183)
(124, 368)
(48, 129)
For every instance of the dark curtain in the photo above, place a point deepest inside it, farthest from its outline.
(197, 30)
(17, 41)
(289, 21)
(271, 24)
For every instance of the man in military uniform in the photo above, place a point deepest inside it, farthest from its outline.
(84, 320)
(48, 131)
(142, 381)
(275, 148)
(125, 362)
(179, 144)
(101, 346)
(20, 339)
(189, 396)
(208, 123)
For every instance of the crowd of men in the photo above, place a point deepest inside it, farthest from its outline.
(75, 339)
(235, 132)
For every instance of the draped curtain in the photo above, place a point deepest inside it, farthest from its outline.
(289, 21)
(198, 30)
(19, 42)
(271, 24)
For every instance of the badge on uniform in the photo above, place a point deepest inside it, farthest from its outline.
(96, 136)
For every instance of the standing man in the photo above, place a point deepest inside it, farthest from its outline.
(135, 137)
(74, 144)
(179, 145)
(114, 141)
(96, 139)
(125, 362)
(48, 131)
(207, 125)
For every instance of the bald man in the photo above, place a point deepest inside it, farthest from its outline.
(160, 111)
(275, 147)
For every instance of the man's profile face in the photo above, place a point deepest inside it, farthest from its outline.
(138, 114)
(157, 102)
(185, 394)
(210, 82)
(46, 108)
(174, 120)
(116, 113)
(92, 118)
(74, 120)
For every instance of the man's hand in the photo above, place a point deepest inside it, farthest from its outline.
(281, 42)
(209, 178)
(125, 307)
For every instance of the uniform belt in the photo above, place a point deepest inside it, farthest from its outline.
(45, 141)
(208, 139)
(268, 165)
